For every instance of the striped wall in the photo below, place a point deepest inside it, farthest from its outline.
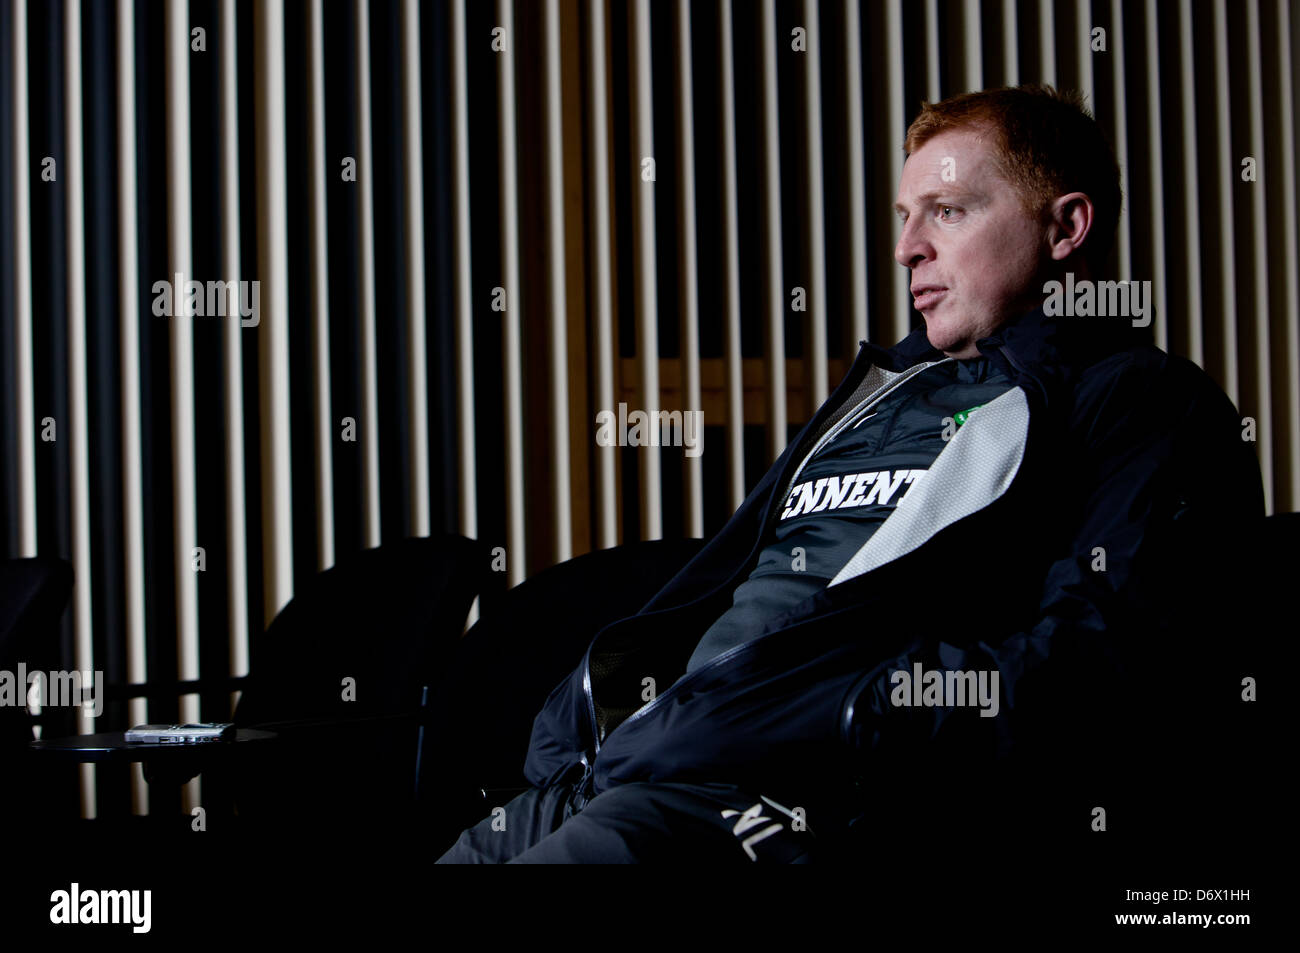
(476, 225)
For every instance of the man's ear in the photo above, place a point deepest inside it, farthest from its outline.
(1069, 220)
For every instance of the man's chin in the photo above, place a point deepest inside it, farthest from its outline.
(953, 345)
(942, 337)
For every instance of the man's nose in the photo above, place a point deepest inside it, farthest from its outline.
(910, 249)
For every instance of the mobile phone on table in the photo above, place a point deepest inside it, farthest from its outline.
(180, 734)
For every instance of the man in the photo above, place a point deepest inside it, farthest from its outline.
(963, 568)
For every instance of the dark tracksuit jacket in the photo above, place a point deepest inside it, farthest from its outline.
(1056, 539)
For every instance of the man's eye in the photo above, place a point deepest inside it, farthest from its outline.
(944, 210)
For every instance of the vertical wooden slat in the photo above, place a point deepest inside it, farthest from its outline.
(24, 386)
(557, 313)
(774, 292)
(180, 259)
(78, 407)
(688, 282)
(273, 329)
(859, 267)
(602, 311)
(417, 388)
(891, 142)
(129, 318)
(1225, 176)
(1123, 237)
(508, 179)
(366, 221)
(814, 220)
(1010, 44)
(1290, 324)
(1083, 49)
(1047, 41)
(972, 53)
(464, 333)
(318, 227)
(1191, 187)
(1155, 169)
(644, 269)
(731, 262)
(933, 87)
(1262, 353)
(232, 356)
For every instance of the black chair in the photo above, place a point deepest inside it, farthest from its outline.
(341, 673)
(33, 596)
(481, 714)
(1178, 759)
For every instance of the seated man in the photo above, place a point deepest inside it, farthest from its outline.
(966, 558)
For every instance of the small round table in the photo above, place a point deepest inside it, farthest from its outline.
(167, 763)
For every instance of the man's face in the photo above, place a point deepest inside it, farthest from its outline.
(976, 257)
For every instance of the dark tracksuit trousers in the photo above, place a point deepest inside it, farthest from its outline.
(638, 823)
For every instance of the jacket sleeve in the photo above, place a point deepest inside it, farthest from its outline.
(1125, 626)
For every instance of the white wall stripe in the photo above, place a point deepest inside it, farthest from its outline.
(508, 183)
(1155, 168)
(859, 268)
(1047, 41)
(78, 407)
(892, 144)
(1226, 174)
(273, 329)
(23, 355)
(368, 424)
(1083, 49)
(417, 389)
(1290, 318)
(644, 267)
(1123, 238)
(1261, 357)
(318, 227)
(774, 292)
(1010, 44)
(1191, 187)
(973, 54)
(814, 221)
(731, 262)
(932, 59)
(465, 444)
(232, 356)
(688, 281)
(129, 318)
(601, 307)
(558, 312)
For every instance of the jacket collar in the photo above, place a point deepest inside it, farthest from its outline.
(1052, 346)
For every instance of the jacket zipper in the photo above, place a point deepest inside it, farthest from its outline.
(847, 710)
(722, 659)
(866, 404)
(580, 796)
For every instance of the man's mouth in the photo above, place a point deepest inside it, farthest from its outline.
(927, 296)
